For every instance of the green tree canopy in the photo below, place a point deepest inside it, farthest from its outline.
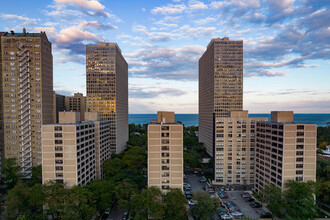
(10, 171)
(206, 207)
(176, 205)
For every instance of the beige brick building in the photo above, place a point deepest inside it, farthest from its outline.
(220, 85)
(234, 149)
(73, 151)
(284, 151)
(165, 152)
(26, 95)
(76, 103)
(107, 89)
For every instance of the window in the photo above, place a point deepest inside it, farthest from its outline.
(59, 174)
(165, 148)
(300, 147)
(58, 168)
(299, 165)
(299, 172)
(299, 159)
(300, 178)
(58, 161)
(300, 140)
(56, 128)
(58, 134)
(58, 154)
(58, 142)
(300, 153)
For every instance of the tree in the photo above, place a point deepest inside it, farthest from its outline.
(175, 203)
(295, 202)
(206, 207)
(25, 200)
(36, 175)
(103, 193)
(148, 203)
(10, 171)
(299, 200)
(62, 203)
(272, 195)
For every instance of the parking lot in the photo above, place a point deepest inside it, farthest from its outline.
(234, 196)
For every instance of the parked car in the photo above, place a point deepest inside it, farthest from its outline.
(107, 211)
(236, 213)
(246, 195)
(188, 192)
(223, 195)
(255, 205)
(125, 216)
(209, 189)
(202, 180)
(192, 202)
(226, 216)
(249, 200)
(189, 196)
(266, 215)
(212, 196)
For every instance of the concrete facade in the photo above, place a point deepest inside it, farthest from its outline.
(234, 149)
(73, 151)
(220, 85)
(26, 95)
(284, 151)
(107, 89)
(165, 152)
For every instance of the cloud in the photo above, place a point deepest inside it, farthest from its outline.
(169, 9)
(98, 25)
(198, 31)
(74, 34)
(26, 20)
(153, 92)
(165, 63)
(279, 4)
(265, 74)
(206, 20)
(197, 5)
(89, 4)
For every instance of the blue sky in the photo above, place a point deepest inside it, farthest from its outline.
(286, 47)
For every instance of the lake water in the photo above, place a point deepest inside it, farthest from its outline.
(192, 119)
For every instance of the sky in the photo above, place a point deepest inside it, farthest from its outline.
(286, 47)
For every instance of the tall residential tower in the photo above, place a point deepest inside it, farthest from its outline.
(26, 95)
(220, 85)
(165, 152)
(107, 89)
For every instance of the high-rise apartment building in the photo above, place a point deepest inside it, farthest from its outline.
(73, 151)
(285, 150)
(165, 152)
(26, 95)
(59, 105)
(77, 103)
(234, 149)
(220, 85)
(107, 89)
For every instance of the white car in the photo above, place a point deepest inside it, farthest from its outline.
(192, 202)
(226, 216)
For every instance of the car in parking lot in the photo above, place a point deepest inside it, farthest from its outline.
(212, 196)
(189, 196)
(223, 195)
(226, 216)
(249, 200)
(266, 215)
(255, 205)
(246, 195)
(125, 215)
(192, 202)
(202, 180)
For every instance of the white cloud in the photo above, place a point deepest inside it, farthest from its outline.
(88, 4)
(237, 3)
(26, 20)
(197, 5)
(279, 4)
(73, 33)
(198, 31)
(169, 9)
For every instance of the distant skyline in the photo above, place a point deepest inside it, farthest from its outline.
(286, 47)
